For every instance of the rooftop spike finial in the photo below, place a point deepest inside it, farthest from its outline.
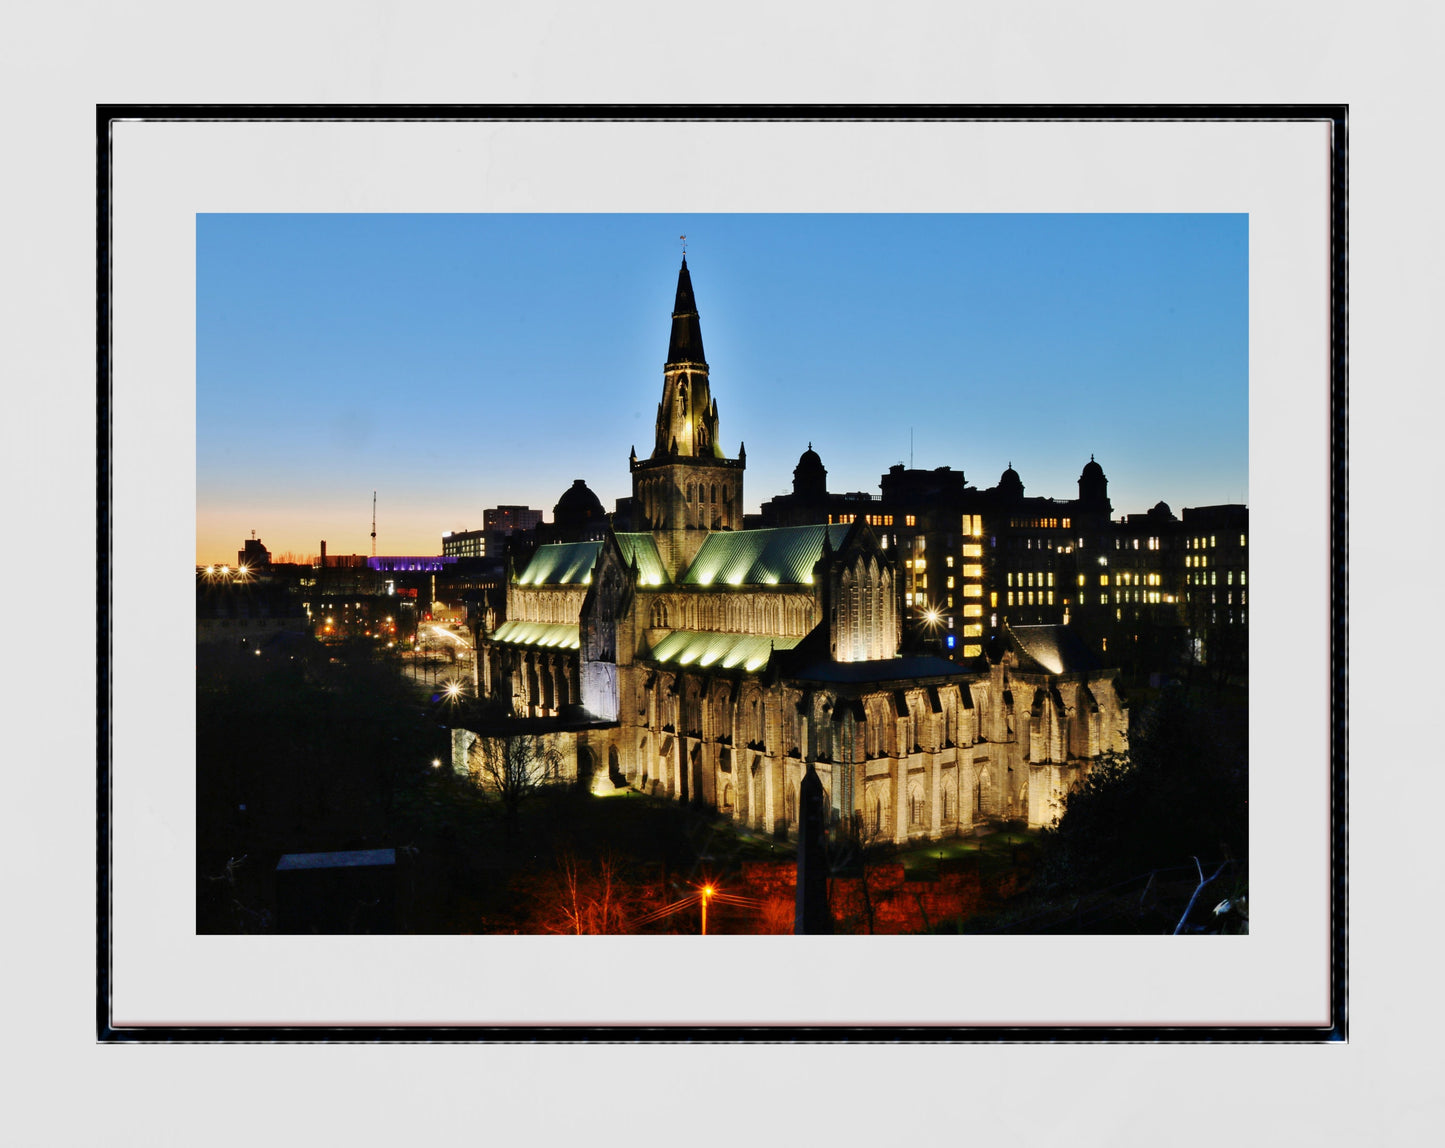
(684, 247)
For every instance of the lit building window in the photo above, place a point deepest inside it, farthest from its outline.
(1010, 598)
(972, 550)
(973, 571)
(993, 599)
(949, 561)
(973, 609)
(1051, 597)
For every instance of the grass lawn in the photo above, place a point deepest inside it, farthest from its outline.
(997, 848)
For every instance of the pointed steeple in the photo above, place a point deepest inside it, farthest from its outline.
(686, 343)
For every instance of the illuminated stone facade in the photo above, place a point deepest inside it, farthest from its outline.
(692, 659)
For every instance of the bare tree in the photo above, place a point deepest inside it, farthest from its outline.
(856, 846)
(514, 767)
(590, 898)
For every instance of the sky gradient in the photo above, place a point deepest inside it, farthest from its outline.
(456, 362)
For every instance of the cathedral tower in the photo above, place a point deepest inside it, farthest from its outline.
(686, 487)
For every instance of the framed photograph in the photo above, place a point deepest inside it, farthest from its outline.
(319, 323)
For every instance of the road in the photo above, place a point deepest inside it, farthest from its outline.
(445, 655)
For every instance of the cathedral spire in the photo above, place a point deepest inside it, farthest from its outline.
(687, 487)
(687, 416)
(686, 343)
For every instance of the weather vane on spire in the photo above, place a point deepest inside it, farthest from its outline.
(684, 245)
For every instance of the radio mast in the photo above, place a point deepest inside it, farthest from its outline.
(373, 524)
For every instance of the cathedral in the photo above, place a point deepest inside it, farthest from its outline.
(691, 658)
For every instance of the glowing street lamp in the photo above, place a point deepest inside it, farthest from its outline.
(707, 891)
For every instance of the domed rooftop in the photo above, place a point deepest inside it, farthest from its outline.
(1092, 469)
(1010, 484)
(578, 503)
(810, 476)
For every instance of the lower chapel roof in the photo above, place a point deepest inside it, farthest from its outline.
(548, 635)
(693, 647)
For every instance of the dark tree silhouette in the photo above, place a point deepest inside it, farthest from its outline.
(514, 767)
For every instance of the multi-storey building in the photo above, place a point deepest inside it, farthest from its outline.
(974, 561)
(469, 544)
(510, 519)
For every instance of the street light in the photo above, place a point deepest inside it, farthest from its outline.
(707, 892)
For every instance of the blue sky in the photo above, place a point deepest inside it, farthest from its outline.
(457, 362)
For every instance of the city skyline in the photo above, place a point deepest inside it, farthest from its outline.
(452, 363)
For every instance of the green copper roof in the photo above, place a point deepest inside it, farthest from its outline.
(649, 562)
(570, 563)
(785, 556)
(693, 648)
(561, 564)
(552, 635)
